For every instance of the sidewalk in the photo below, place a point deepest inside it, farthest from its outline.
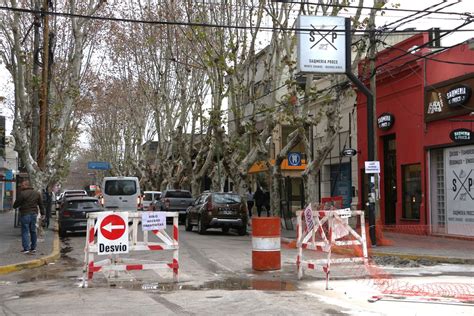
(416, 247)
(11, 259)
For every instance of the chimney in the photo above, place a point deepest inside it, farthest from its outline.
(434, 37)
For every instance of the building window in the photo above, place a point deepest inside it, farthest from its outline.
(411, 180)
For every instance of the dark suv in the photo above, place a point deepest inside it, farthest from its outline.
(73, 213)
(217, 210)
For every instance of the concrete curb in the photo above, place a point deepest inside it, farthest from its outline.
(407, 256)
(54, 255)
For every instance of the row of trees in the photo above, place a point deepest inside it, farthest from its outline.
(127, 80)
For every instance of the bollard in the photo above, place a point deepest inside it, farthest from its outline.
(266, 253)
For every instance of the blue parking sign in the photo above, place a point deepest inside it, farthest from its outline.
(294, 159)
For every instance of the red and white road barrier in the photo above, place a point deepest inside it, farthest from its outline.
(320, 231)
(115, 264)
(266, 243)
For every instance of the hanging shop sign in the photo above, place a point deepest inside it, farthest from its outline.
(461, 135)
(385, 121)
(449, 98)
(321, 44)
(349, 152)
(459, 95)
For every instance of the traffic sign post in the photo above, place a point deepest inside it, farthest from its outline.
(112, 235)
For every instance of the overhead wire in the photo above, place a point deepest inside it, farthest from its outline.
(430, 58)
(194, 24)
(418, 47)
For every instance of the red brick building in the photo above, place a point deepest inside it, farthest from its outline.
(424, 136)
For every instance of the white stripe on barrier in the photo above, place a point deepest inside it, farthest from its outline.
(266, 243)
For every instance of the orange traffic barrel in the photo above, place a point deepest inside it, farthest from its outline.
(266, 250)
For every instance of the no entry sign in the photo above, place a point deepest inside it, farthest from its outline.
(112, 233)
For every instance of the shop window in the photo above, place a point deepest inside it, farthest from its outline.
(411, 179)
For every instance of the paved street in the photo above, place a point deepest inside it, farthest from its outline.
(215, 278)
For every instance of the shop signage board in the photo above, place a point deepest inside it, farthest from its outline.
(461, 135)
(450, 98)
(321, 44)
(294, 159)
(112, 233)
(385, 121)
(459, 171)
(458, 95)
(349, 152)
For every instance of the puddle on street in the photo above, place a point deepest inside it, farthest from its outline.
(59, 270)
(232, 284)
(29, 294)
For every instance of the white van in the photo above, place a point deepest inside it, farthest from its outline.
(121, 193)
(149, 197)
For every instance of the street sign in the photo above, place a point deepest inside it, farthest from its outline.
(372, 167)
(98, 165)
(308, 217)
(153, 221)
(112, 234)
(294, 159)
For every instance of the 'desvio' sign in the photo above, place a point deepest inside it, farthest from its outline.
(112, 234)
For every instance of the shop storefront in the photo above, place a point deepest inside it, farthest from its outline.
(451, 161)
(424, 139)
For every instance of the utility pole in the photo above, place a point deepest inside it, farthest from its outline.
(370, 130)
(44, 89)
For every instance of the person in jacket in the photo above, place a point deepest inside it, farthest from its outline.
(259, 200)
(28, 201)
(250, 202)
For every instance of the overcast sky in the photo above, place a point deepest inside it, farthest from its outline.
(433, 20)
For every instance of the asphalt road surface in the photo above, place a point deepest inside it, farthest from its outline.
(215, 278)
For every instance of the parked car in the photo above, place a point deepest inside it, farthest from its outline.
(223, 210)
(174, 201)
(67, 193)
(149, 197)
(73, 213)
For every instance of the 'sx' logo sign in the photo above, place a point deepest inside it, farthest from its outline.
(323, 37)
(462, 185)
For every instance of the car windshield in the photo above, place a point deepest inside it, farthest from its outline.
(120, 187)
(81, 205)
(179, 194)
(226, 198)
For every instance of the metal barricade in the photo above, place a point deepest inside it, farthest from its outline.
(328, 229)
(115, 264)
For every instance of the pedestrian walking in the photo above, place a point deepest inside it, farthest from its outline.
(250, 202)
(258, 198)
(47, 200)
(28, 201)
(266, 202)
